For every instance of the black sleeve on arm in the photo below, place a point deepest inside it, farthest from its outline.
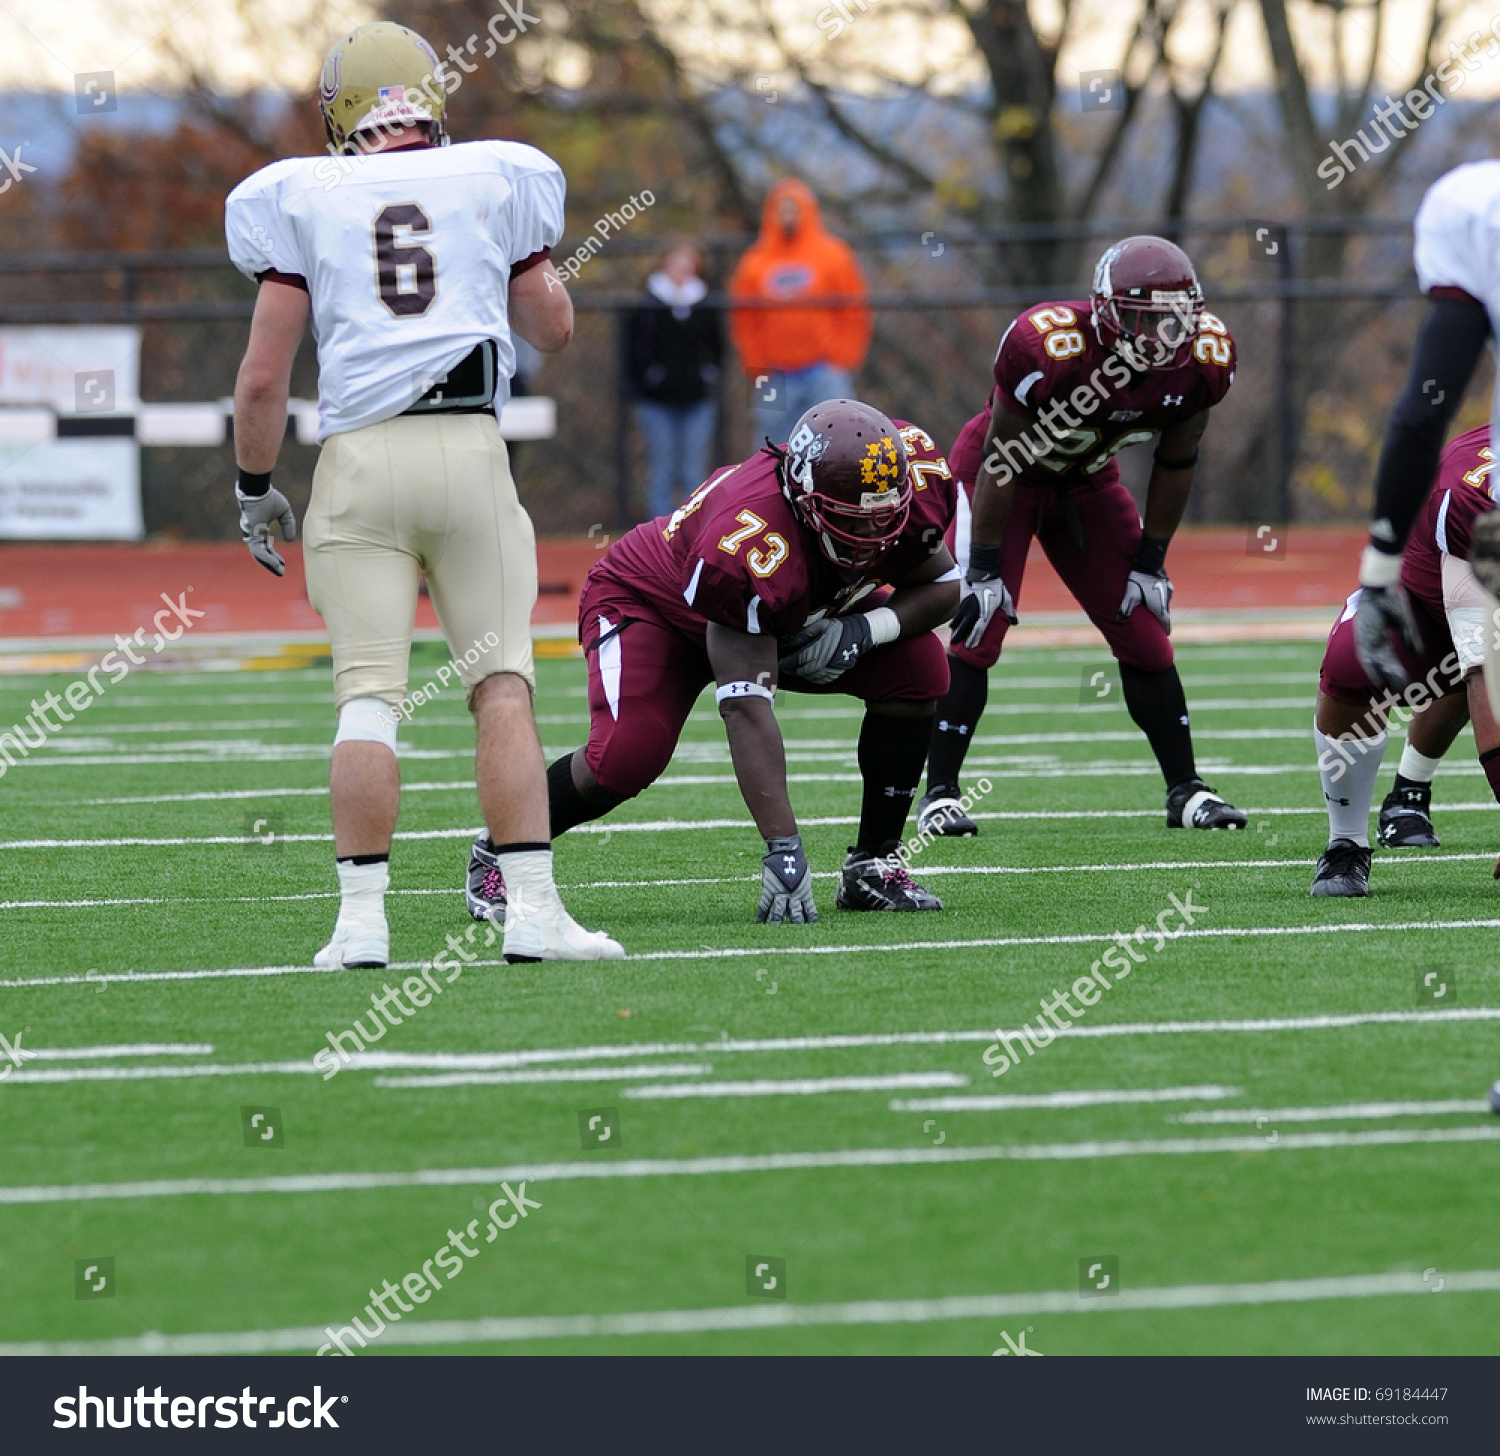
(1447, 349)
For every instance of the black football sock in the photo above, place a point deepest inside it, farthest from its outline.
(958, 715)
(1159, 708)
(891, 754)
(566, 806)
(1403, 783)
(364, 859)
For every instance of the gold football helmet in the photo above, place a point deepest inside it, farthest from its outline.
(381, 75)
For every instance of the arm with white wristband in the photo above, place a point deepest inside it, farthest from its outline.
(744, 665)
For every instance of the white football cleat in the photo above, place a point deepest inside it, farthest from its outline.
(356, 945)
(547, 932)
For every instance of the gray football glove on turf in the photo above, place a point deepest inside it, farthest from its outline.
(1382, 620)
(257, 512)
(786, 884)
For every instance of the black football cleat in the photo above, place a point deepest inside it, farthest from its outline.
(941, 815)
(1406, 819)
(1495, 1098)
(1343, 869)
(880, 882)
(484, 889)
(1193, 805)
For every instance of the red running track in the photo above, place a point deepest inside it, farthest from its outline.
(68, 590)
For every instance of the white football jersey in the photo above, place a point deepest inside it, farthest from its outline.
(1458, 241)
(407, 257)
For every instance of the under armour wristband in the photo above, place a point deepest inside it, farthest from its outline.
(983, 560)
(252, 483)
(1151, 555)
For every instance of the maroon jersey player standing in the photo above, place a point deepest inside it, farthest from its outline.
(1445, 676)
(1074, 383)
(820, 567)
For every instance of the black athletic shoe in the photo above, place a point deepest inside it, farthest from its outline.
(940, 813)
(1193, 805)
(1406, 819)
(1343, 869)
(484, 890)
(873, 882)
(1495, 1098)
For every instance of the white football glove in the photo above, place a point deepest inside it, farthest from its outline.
(256, 514)
(1153, 591)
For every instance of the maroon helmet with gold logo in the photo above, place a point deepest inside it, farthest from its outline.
(844, 470)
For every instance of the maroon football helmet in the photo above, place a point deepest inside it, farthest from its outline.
(845, 472)
(1147, 302)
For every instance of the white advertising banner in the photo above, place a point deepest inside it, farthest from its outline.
(71, 490)
(73, 369)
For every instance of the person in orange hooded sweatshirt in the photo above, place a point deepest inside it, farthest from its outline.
(804, 351)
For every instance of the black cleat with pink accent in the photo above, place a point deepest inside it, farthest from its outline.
(484, 890)
(880, 882)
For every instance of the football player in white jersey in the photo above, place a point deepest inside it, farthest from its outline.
(414, 261)
(1457, 255)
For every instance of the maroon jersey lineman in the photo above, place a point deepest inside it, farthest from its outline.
(735, 554)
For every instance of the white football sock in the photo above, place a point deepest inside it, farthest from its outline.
(529, 886)
(1348, 767)
(364, 887)
(1416, 765)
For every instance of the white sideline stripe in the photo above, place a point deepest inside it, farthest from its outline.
(801, 1087)
(558, 1074)
(1102, 1097)
(776, 1315)
(1087, 1151)
(926, 871)
(1271, 1115)
(123, 1049)
(262, 1069)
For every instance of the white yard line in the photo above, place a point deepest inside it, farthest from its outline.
(127, 1049)
(776, 1314)
(25, 1076)
(1090, 1097)
(800, 1087)
(925, 871)
(735, 1163)
(1271, 1115)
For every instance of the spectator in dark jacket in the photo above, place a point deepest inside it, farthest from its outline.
(674, 347)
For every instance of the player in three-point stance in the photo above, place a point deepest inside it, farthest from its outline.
(1447, 684)
(1074, 383)
(415, 261)
(819, 567)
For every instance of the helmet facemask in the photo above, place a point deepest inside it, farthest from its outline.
(1150, 335)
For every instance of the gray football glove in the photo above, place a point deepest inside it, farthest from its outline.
(1152, 590)
(786, 884)
(826, 650)
(1382, 621)
(256, 514)
(984, 595)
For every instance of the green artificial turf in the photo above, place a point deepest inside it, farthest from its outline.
(95, 906)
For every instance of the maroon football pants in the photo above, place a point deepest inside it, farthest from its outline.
(645, 675)
(1096, 572)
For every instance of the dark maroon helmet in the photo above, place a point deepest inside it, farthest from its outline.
(844, 470)
(1147, 302)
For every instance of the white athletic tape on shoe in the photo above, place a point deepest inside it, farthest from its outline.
(366, 720)
(1190, 809)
